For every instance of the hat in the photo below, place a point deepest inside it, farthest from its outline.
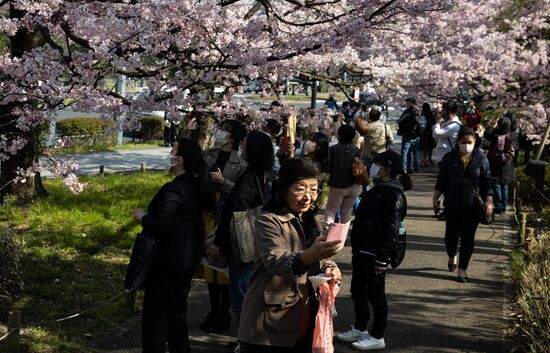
(410, 100)
(390, 159)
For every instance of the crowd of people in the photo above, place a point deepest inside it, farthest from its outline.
(258, 195)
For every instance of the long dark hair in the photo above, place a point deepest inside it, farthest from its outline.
(427, 112)
(259, 151)
(236, 130)
(194, 164)
(321, 153)
(292, 170)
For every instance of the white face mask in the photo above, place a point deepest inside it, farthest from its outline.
(466, 148)
(374, 169)
(220, 138)
(172, 161)
(308, 147)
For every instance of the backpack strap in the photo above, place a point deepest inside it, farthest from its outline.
(450, 123)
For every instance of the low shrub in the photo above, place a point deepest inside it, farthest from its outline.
(78, 133)
(533, 299)
(527, 191)
(83, 126)
(152, 128)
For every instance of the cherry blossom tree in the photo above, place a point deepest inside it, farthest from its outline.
(67, 52)
(70, 52)
(495, 49)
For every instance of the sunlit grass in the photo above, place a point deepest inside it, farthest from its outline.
(76, 250)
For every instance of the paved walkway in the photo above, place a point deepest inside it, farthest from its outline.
(119, 161)
(429, 311)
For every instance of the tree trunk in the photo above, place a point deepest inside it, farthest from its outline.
(25, 192)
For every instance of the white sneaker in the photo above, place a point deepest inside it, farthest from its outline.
(237, 349)
(369, 343)
(352, 335)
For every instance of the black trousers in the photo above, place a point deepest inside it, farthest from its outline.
(163, 319)
(461, 224)
(368, 287)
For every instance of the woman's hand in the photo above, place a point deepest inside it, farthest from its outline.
(334, 273)
(379, 270)
(488, 208)
(321, 249)
(138, 214)
(217, 177)
(435, 202)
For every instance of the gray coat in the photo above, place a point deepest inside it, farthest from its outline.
(233, 169)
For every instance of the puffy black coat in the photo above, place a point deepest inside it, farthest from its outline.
(377, 221)
(174, 217)
(458, 184)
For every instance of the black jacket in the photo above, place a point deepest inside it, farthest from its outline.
(248, 192)
(503, 173)
(174, 217)
(377, 222)
(458, 184)
(340, 158)
(408, 125)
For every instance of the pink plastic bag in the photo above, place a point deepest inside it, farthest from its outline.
(322, 336)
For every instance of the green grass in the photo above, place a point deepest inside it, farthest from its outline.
(76, 248)
(102, 148)
(532, 301)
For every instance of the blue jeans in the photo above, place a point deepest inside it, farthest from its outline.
(239, 275)
(410, 150)
(501, 196)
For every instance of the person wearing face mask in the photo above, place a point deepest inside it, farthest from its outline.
(464, 173)
(225, 166)
(373, 241)
(248, 194)
(175, 217)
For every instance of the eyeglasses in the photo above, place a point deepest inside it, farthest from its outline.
(301, 191)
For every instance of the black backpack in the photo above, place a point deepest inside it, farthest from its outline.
(499, 158)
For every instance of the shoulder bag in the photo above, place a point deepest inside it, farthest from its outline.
(139, 269)
(241, 231)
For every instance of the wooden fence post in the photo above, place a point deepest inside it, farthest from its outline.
(14, 323)
(523, 225)
(131, 302)
(515, 194)
(528, 239)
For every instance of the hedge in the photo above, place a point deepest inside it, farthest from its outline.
(83, 126)
(86, 131)
(152, 128)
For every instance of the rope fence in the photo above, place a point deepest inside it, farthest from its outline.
(14, 321)
(14, 318)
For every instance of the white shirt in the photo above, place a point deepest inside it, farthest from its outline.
(446, 136)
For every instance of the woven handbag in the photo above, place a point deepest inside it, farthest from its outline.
(241, 231)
